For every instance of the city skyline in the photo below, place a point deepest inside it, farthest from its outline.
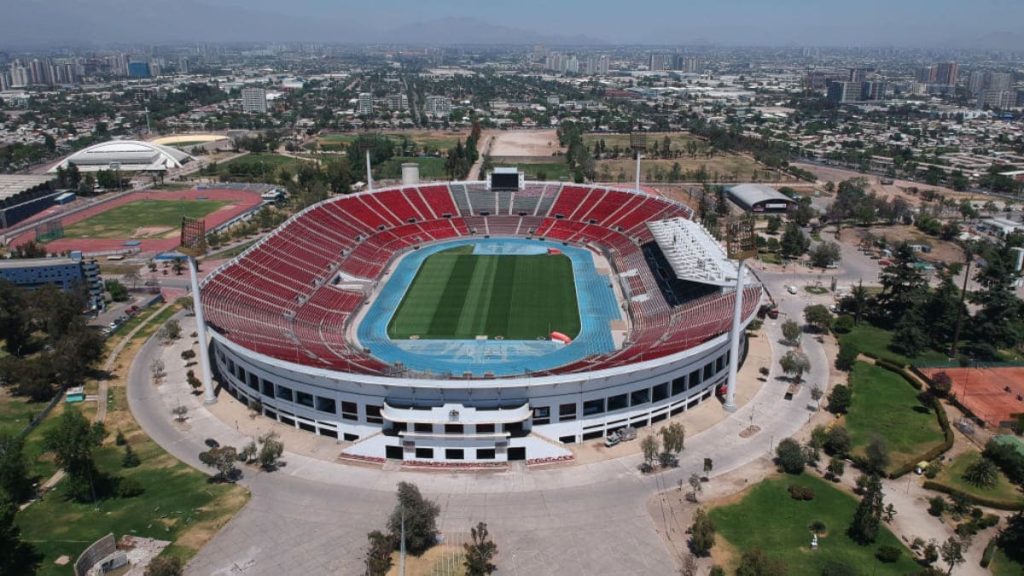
(947, 24)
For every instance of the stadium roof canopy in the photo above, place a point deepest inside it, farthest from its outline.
(692, 252)
(12, 185)
(759, 198)
(127, 156)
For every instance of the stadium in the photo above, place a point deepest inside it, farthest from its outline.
(461, 324)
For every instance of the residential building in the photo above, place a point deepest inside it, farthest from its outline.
(254, 100)
(66, 273)
(842, 92)
(438, 106)
(365, 105)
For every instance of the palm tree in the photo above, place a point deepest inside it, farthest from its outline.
(858, 301)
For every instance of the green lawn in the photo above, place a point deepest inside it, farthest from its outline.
(176, 498)
(457, 295)
(885, 405)
(953, 476)
(1002, 565)
(679, 139)
(431, 168)
(142, 219)
(435, 140)
(769, 518)
(875, 341)
(262, 165)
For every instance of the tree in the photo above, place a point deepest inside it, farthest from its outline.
(14, 478)
(222, 459)
(164, 566)
(193, 382)
(793, 243)
(857, 301)
(877, 455)
(696, 487)
(982, 473)
(72, 441)
(702, 533)
(130, 458)
(847, 355)
(171, 330)
(790, 457)
(999, 320)
(868, 517)
(649, 446)
(673, 438)
(117, 291)
(889, 512)
(378, 554)
(420, 519)
(837, 441)
(16, 556)
(839, 399)
(953, 553)
(791, 332)
(818, 317)
(903, 285)
(795, 363)
(755, 562)
(825, 254)
(271, 449)
(836, 466)
(480, 552)
(1011, 538)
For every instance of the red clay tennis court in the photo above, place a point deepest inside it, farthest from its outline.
(996, 395)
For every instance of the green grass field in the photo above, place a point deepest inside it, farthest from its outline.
(1002, 565)
(543, 170)
(875, 341)
(885, 405)
(457, 295)
(431, 168)
(142, 219)
(769, 519)
(952, 475)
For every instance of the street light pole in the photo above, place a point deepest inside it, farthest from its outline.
(638, 142)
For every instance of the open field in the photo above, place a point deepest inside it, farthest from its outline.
(431, 168)
(727, 167)
(264, 164)
(768, 518)
(875, 341)
(554, 168)
(521, 143)
(427, 139)
(457, 295)
(143, 219)
(995, 395)
(678, 139)
(885, 405)
(952, 475)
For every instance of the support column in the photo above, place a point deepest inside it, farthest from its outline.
(734, 341)
(369, 173)
(638, 170)
(204, 344)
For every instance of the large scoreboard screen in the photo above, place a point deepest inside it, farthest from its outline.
(505, 180)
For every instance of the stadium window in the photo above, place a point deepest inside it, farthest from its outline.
(454, 454)
(638, 397)
(327, 432)
(541, 415)
(485, 454)
(593, 435)
(694, 379)
(617, 402)
(453, 428)
(485, 428)
(514, 428)
(679, 385)
(660, 392)
(423, 428)
(288, 421)
(304, 398)
(349, 437)
(709, 370)
(284, 393)
(270, 413)
(591, 407)
(326, 405)
(307, 427)
(373, 414)
(517, 453)
(658, 418)
(570, 439)
(393, 452)
(424, 452)
(349, 410)
(241, 374)
(254, 381)
(268, 388)
(720, 363)
(231, 366)
(399, 426)
(567, 412)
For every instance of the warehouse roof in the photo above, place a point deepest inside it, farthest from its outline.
(747, 195)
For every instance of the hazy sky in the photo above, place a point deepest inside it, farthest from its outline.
(930, 23)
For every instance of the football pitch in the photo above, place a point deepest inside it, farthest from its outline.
(457, 295)
(141, 219)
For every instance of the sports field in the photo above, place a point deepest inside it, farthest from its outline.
(457, 295)
(142, 219)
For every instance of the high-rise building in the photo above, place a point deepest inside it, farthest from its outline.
(858, 74)
(841, 92)
(660, 61)
(365, 104)
(19, 75)
(982, 80)
(138, 70)
(438, 106)
(397, 101)
(999, 99)
(946, 73)
(254, 100)
(926, 74)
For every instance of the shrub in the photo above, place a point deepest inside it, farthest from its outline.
(1007, 459)
(128, 488)
(130, 459)
(941, 384)
(888, 554)
(988, 521)
(188, 355)
(818, 527)
(839, 399)
(797, 492)
(989, 553)
(936, 505)
(843, 324)
(790, 456)
(716, 570)
(120, 439)
(847, 357)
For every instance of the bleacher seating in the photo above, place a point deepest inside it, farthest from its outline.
(278, 299)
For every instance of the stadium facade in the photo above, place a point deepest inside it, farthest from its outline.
(286, 319)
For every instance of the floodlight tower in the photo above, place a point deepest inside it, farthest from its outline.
(740, 245)
(193, 245)
(366, 146)
(638, 142)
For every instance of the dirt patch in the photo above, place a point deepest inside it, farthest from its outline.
(901, 188)
(523, 142)
(198, 534)
(941, 250)
(150, 232)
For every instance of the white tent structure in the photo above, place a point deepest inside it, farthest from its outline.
(126, 156)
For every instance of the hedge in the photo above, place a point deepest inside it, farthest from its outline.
(976, 500)
(989, 553)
